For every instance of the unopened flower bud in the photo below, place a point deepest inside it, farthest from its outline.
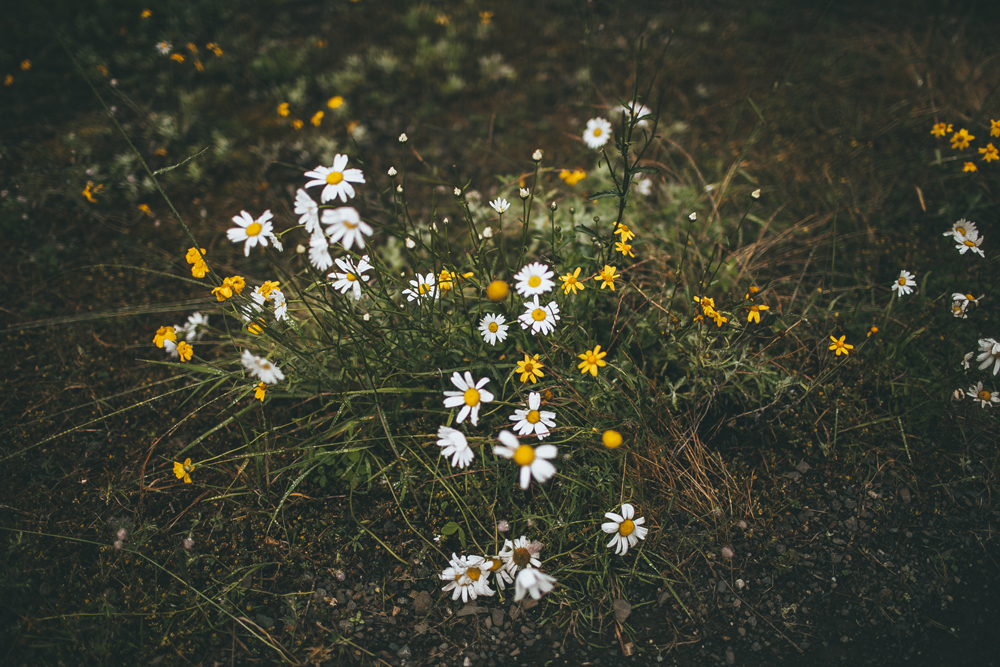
(366, 317)
(458, 192)
(537, 155)
(755, 194)
(392, 172)
(693, 216)
(553, 206)
(502, 526)
(403, 138)
(524, 193)
(445, 220)
(188, 543)
(488, 233)
(300, 248)
(434, 226)
(410, 243)
(399, 188)
(119, 544)
(121, 534)
(727, 552)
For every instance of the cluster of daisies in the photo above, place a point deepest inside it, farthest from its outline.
(989, 355)
(961, 139)
(176, 340)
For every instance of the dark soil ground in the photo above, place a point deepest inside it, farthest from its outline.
(873, 556)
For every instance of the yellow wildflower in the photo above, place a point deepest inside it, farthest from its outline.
(571, 282)
(145, 209)
(164, 333)
(497, 290)
(530, 369)
(572, 177)
(970, 166)
(961, 139)
(198, 66)
(268, 287)
(260, 391)
(184, 470)
(8, 80)
(442, 19)
(178, 57)
(995, 128)
(611, 439)
(754, 314)
(607, 277)
(90, 191)
(335, 102)
(229, 287)
(624, 248)
(990, 153)
(25, 65)
(199, 268)
(214, 48)
(192, 48)
(840, 346)
(941, 129)
(592, 360)
(317, 118)
(486, 18)
(283, 109)
(185, 351)
(626, 233)
(297, 124)
(145, 14)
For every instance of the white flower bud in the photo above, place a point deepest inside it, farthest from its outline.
(392, 172)
(755, 194)
(188, 543)
(403, 138)
(553, 206)
(434, 226)
(445, 220)
(958, 395)
(693, 216)
(537, 155)
(524, 193)
(410, 243)
(399, 188)
(300, 248)
(458, 192)
(488, 233)
(366, 317)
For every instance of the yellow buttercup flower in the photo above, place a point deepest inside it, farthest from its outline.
(145, 14)
(485, 17)
(335, 102)
(840, 346)
(990, 153)
(624, 248)
(197, 260)
(185, 351)
(184, 470)
(607, 277)
(873, 330)
(229, 287)
(214, 48)
(572, 177)
(260, 391)
(941, 129)
(145, 209)
(530, 369)
(268, 287)
(198, 66)
(8, 80)
(611, 439)
(90, 190)
(25, 65)
(571, 282)
(164, 333)
(592, 360)
(178, 57)
(970, 166)
(754, 314)
(497, 290)
(960, 140)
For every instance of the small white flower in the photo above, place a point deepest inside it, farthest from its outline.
(957, 395)
(458, 192)
(642, 113)
(537, 155)
(533, 420)
(252, 231)
(410, 243)
(644, 187)
(399, 189)
(403, 138)
(970, 241)
(424, 287)
(366, 317)
(989, 355)
(693, 216)
(163, 47)
(500, 205)
(319, 252)
(904, 284)
(350, 276)
(392, 172)
(984, 396)
(488, 233)
(524, 193)
(470, 396)
(467, 577)
(454, 444)
(627, 529)
(308, 209)
(540, 319)
(517, 555)
(344, 224)
(755, 194)
(261, 368)
(280, 305)
(194, 328)
(493, 328)
(534, 583)
(534, 278)
(534, 461)
(597, 133)
(961, 228)
(337, 179)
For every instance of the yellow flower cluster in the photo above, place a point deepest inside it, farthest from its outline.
(961, 140)
(334, 102)
(707, 305)
(197, 259)
(229, 287)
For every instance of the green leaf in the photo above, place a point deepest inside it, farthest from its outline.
(450, 528)
(602, 195)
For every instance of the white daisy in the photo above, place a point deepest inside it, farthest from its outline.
(986, 397)
(960, 304)
(597, 133)
(467, 577)
(644, 187)
(989, 355)
(308, 209)
(500, 573)
(280, 305)
(535, 278)
(958, 311)
(470, 396)
(350, 277)
(493, 328)
(533, 460)
(517, 555)
(642, 113)
(424, 287)
(337, 179)
(500, 205)
(267, 372)
(344, 224)
(455, 445)
(904, 284)
(627, 529)
(534, 583)
(253, 231)
(194, 328)
(319, 252)
(970, 241)
(533, 420)
(539, 318)
(961, 228)
(164, 47)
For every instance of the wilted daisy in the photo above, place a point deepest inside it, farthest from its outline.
(533, 420)
(534, 583)
(960, 304)
(628, 530)
(424, 287)
(533, 460)
(904, 284)
(467, 577)
(984, 396)
(534, 278)
(253, 231)
(470, 396)
(350, 276)
(194, 328)
(319, 252)
(454, 444)
(989, 355)
(337, 179)
(540, 319)
(500, 573)
(308, 210)
(345, 225)
(967, 358)
(970, 241)
(500, 205)
(597, 133)
(493, 328)
(961, 228)
(517, 555)
(261, 368)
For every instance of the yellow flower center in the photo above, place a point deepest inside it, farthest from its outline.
(524, 455)
(254, 229)
(985, 395)
(626, 528)
(533, 417)
(188, 467)
(351, 277)
(960, 230)
(474, 573)
(334, 177)
(571, 280)
(496, 564)
(970, 243)
(538, 314)
(597, 132)
(493, 327)
(591, 358)
(424, 288)
(522, 557)
(534, 281)
(350, 224)
(970, 297)
(471, 397)
(902, 280)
